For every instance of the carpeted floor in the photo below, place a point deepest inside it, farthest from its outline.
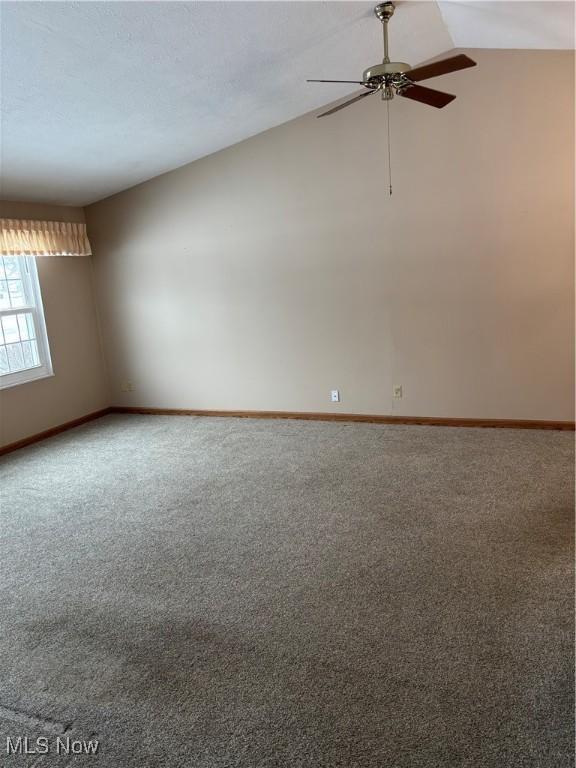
(221, 593)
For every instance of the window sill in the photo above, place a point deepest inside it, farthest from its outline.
(25, 379)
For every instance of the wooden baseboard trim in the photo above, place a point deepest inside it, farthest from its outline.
(357, 417)
(432, 421)
(53, 431)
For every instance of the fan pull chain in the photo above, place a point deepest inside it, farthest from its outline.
(389, 150)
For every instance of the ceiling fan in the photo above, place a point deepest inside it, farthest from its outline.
(395, 77)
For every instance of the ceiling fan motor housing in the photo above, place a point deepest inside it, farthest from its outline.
(388, 73)
(387, 68)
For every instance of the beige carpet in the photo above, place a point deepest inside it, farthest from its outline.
(212, 593)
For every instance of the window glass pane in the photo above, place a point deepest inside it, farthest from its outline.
(30, 324)
(35, 354)
(10, 326)
(15, 357)
(17, 297)
(12, 265)
(4, 368)
(4, 295)
(23, 325)
(2, 271)
(30, 360)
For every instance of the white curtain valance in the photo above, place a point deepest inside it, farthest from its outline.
(23, 237)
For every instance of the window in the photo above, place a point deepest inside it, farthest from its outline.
(24, 353)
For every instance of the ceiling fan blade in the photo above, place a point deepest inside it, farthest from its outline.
(453, 64)
(357, 82)
(429, 96)
(347, 103)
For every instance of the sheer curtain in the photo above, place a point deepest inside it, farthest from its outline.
(24, 237)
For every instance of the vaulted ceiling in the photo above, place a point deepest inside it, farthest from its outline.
(99, 96)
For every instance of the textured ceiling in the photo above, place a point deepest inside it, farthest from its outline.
(498, 24)
(98, 96)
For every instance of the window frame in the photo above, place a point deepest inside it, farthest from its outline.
(35, 307)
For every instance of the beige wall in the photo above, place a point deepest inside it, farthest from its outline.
(278, 269)
(79, 385)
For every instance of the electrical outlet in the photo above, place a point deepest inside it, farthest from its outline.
(127, 386)
(335, 395)
(397, 391)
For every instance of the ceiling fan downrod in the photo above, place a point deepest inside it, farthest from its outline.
(385, 11)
